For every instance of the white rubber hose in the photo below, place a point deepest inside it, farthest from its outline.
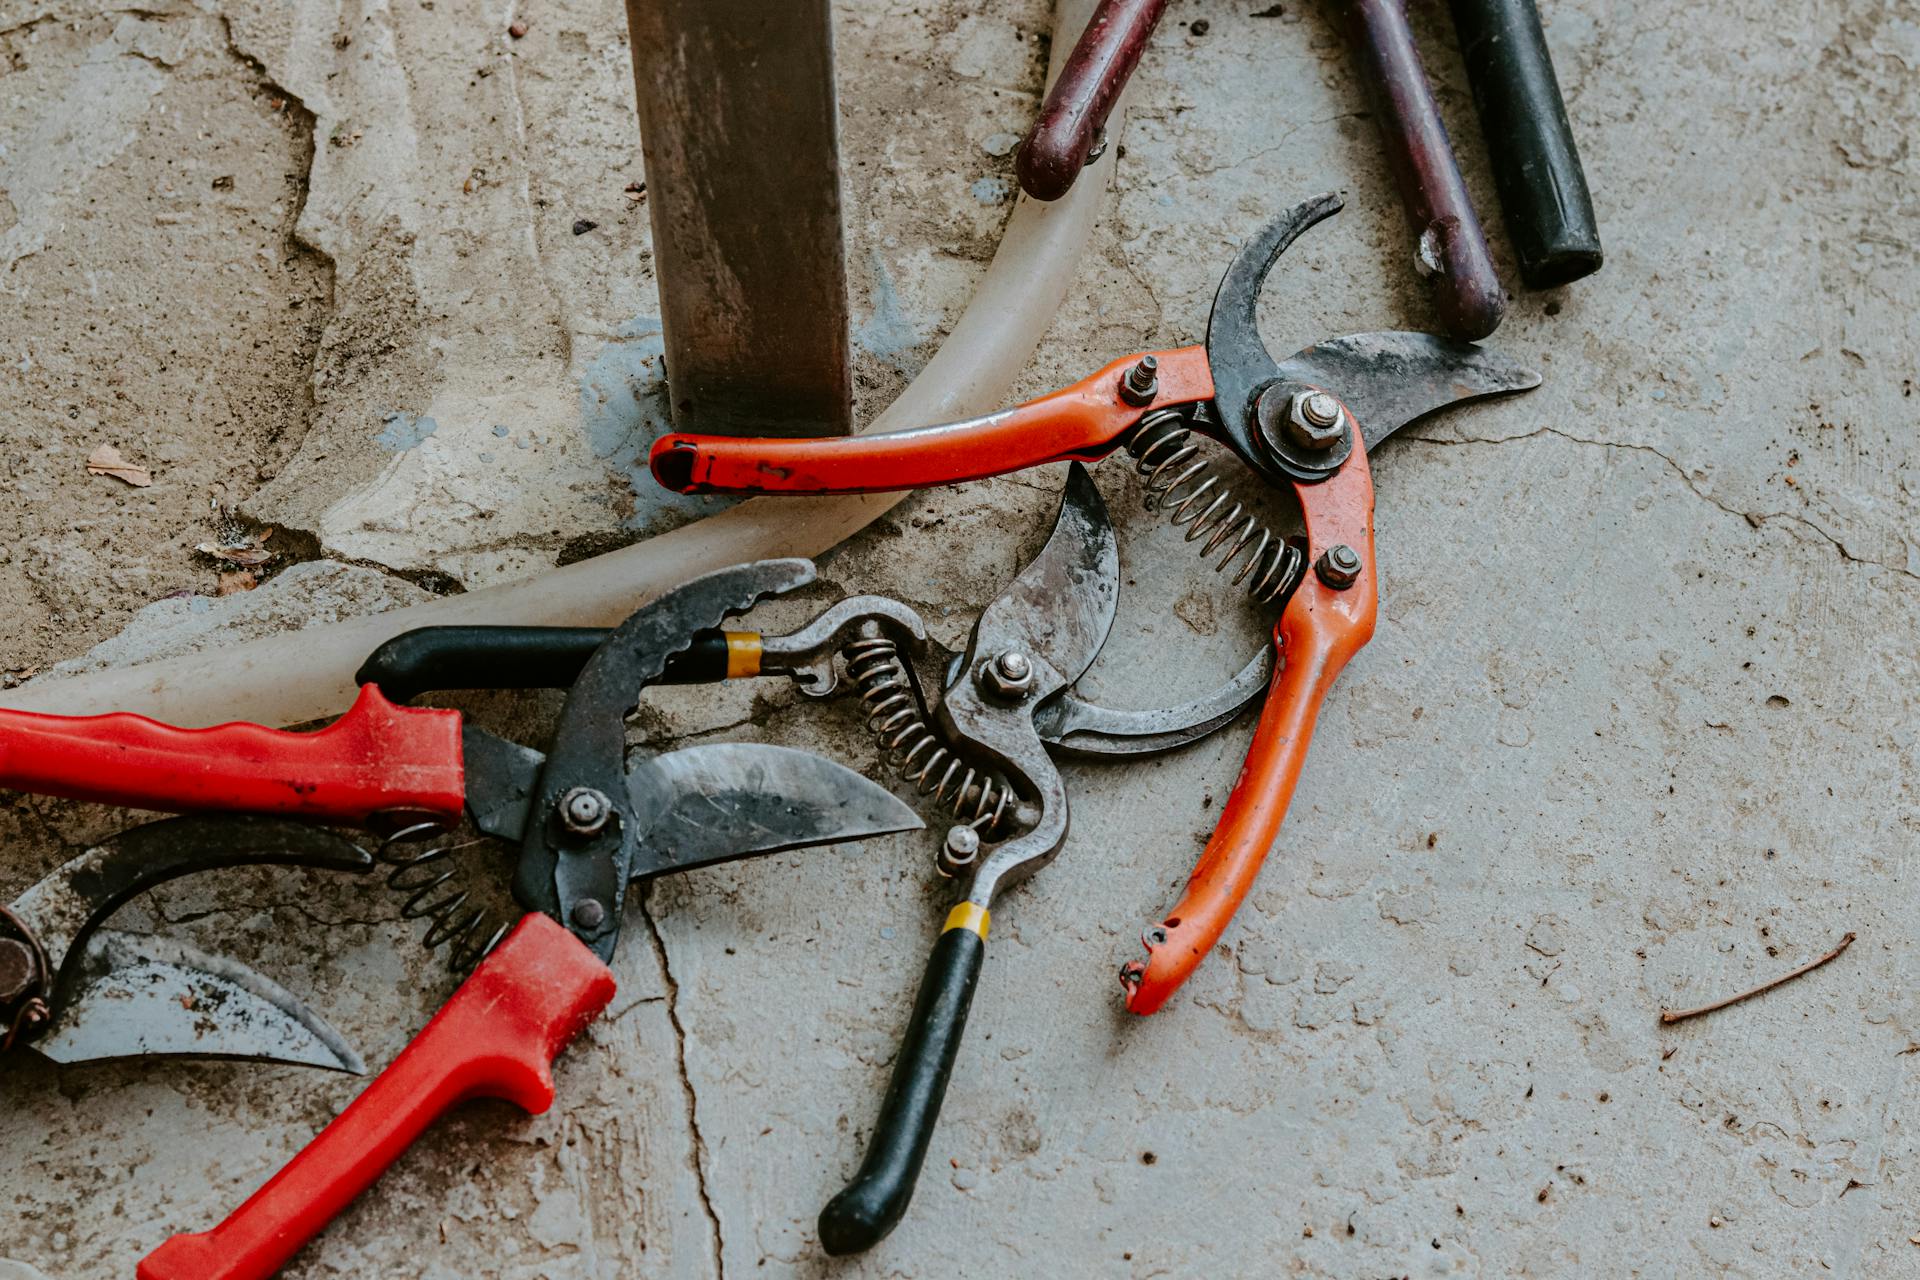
(307, 675)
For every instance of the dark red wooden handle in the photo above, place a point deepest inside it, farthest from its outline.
(496, 1038)
(377, 758)
(1076, 109)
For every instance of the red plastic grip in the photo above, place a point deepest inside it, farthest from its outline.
(376, 758)
(496, 1038)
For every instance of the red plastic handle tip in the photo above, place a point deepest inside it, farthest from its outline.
(377, 758)
(496, 1038)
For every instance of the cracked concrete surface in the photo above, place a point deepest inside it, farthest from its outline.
(1635, 730)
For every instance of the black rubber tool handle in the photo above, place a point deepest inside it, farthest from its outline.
(870, 1206)
(437, 658)
(1536, 168)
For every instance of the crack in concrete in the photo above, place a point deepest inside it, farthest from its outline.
(1246, 160)
(686, 1081)
(1754, 519)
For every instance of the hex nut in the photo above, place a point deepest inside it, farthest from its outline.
(1338, 566)
(1008, 676)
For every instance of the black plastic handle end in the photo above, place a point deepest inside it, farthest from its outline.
(873, 1203)
(434, 659)
(1536, 168)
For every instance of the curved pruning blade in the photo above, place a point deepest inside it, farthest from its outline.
(1393, 377)
(65, 908)
(137, 995)
(1077, 727)
(1239, 359)
(1061, 606)
(725, 800)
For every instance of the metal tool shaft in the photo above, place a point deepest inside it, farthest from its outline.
(1450, 243)
(1071, 122)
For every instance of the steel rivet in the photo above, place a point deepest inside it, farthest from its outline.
(961, 848)
(584, 810)
(589, 913)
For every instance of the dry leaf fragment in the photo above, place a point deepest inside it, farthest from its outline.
(106, 461)
(237, 581)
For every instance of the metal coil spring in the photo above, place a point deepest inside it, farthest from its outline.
(912, 747)
(468, 932)
(1167, 461)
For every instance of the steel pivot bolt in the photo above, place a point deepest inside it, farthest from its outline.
(961, 848)
(1338, 566)
(1008, 676)
(588, 913)
(584, 811)
(1313, 420)
(1141, 383)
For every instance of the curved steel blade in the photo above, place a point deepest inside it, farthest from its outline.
(1240, 361)
(720, 801)
(138, 995)
(1078, 727)
(1061, 606)
(1390, 378)
(66, 906)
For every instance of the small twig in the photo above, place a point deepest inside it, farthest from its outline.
(1675, 1015)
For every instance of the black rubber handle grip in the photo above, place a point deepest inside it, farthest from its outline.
(1536, 168)
(870, 1206)
(437, 658)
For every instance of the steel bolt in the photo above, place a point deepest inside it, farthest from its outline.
(1141, 383)
(961, 848)
(584, 810)
(18, 971)
(1318, 408)
(1313, 420)
(1008, 676)
(589, 913)
(1338, 566)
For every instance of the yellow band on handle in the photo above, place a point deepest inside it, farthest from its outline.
(743, 654)
(969, 915)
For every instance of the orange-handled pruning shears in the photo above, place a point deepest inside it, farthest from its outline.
(1307, 422)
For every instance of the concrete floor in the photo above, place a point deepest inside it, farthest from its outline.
(1636, 729)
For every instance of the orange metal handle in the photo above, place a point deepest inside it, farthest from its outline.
(1318, 633)
(1085, 421)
